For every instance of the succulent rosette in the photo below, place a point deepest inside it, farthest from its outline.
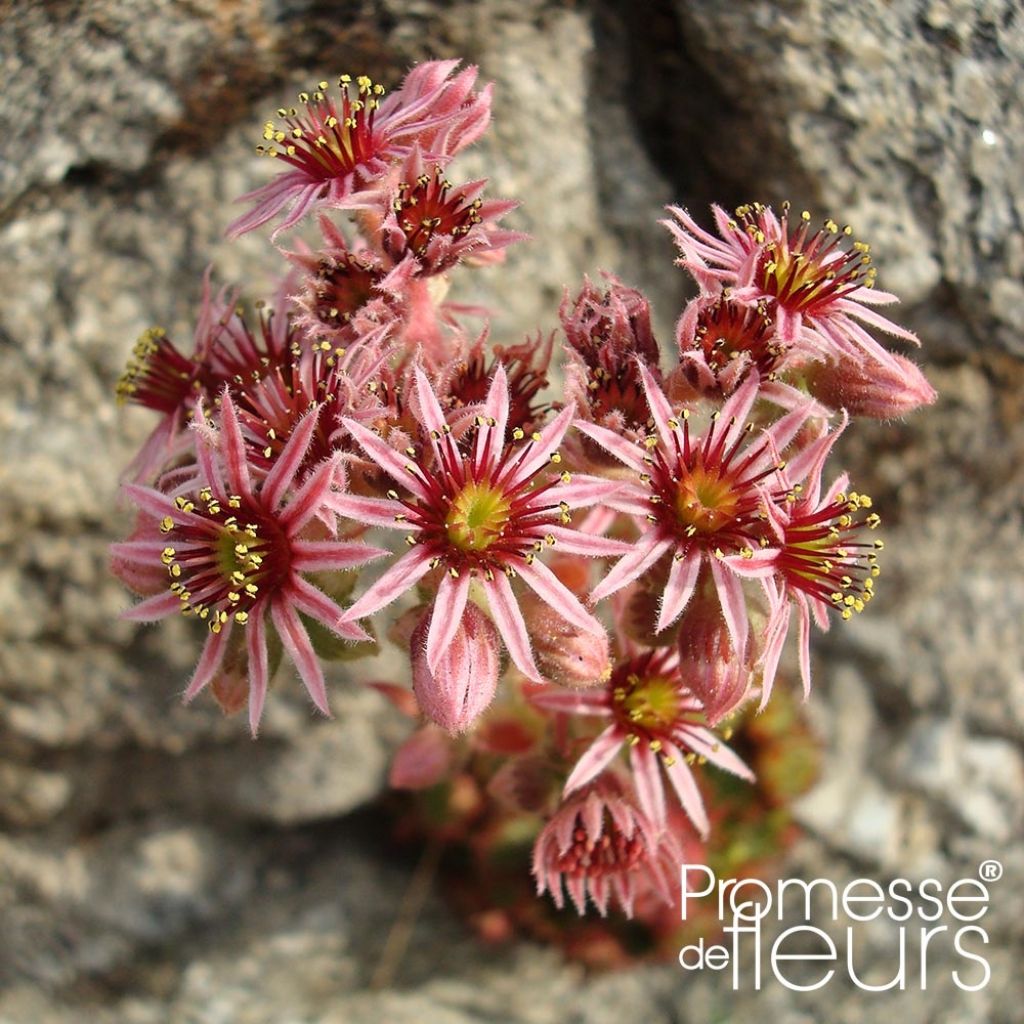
(593, 585)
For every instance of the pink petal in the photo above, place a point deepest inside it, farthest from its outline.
(394, 464)
(316, 555)
(649, 788)
(575, 542)
(599, 755)
(304, 202)
(509, 621)
(402, 576)
(319, 606)
(311, 500)
(734, 605)
(431, 415)
(787, 325)
(259, 672)
(706, 743)
(775, 639)
(269, 198)
(625, 451)
(571, 702)
(233, 446)
(538, 453)
(785, 429)
(809, 463)
(804, 642)
(740, 401)
(584, 490)
(661, 411)
(630, 567)
(153, 608)
(155, 503)
(371, 511)
(446, 616)
(496, 403)
(685, 785)
(280, 478)
(554, 593)
(143, 552)
(682, 578)
(869, 316)
(209, 661)
(296, 642)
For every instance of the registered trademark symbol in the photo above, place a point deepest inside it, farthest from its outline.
(990, 870)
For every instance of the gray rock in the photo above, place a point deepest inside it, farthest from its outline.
(158, 866)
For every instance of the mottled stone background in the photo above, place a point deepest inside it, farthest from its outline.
(156, 865)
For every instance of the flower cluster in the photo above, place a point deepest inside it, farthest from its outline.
(589, 590)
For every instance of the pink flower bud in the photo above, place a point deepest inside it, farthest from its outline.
(422, 760)
(639, 617)
(526, 784)
(566, 654)
(869, 388)
(230, 686)
(466, 677)
(707, 662)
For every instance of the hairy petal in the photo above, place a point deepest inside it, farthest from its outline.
(449, 604)
(209, 661)
(599, 755)
(296, 642)
(630, 567)
(259, 672)
(509, 621)
(402, 576)
(557, 596)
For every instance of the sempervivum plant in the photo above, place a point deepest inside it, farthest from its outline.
(592, 585)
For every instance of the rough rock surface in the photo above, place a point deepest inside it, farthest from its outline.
(156, 866)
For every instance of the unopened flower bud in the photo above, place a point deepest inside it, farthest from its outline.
(708, 664)
(422, 760)
(466, 677)
(566, 654)
(866, 387)
(525, 784)
(230, 686)
(640, 616)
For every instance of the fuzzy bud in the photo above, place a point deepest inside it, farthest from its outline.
(525, 784)
(422, 761)
(869, 388)
(566, 654)
(707, 662)
(466, 677)
(640, 616)
(608, 334)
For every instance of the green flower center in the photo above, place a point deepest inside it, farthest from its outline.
(650, 704)
(478, 517)
(705, 502)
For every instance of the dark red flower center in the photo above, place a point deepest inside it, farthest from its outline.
(326, 141)
(649, 700)
(728, 330)
(822, 555)
(341, 287)
(158, 376)
(704, 491)
(806, 272)
(430, 206)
